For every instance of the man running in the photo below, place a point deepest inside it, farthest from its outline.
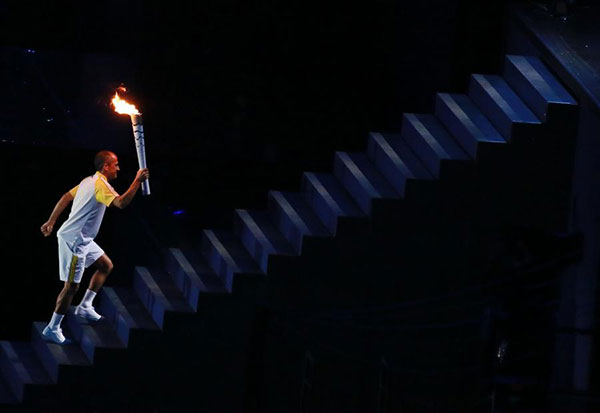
(76, 247)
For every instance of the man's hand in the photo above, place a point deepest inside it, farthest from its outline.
(123, 200)
(47, 228)
(142, 175)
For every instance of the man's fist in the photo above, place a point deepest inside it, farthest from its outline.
(142, 175)
(47, 228)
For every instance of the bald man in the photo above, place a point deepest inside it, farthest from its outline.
(76, 247)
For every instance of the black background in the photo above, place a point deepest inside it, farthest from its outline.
(238, 98)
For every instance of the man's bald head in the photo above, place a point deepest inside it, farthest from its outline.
(101, 158)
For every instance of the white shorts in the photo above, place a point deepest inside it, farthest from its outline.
(72, 263)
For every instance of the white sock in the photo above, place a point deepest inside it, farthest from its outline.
(87, 298)
(55, 321)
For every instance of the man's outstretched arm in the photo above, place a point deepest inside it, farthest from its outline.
(123, 200)
(58, 209)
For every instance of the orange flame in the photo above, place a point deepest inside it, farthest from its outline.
(123, 107)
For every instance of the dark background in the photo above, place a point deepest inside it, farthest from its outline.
(238, 98)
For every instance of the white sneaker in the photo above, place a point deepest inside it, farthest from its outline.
(55, 336)
(88, 313)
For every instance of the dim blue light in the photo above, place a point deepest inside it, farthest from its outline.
(179, 212)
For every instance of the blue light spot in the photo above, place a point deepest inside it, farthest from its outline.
(179, 212)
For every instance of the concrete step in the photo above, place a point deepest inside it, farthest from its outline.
(226, 256)
(535, 85)
(465, 122)
(125, 311)
(21, 367)
(430, 141)
(294, 218)
(159, 294)
(91, 335)
(500, 104)
(260, 236)
(362, 180)
(53, 355)
(191, 280)
(328, 199)
(395, 160)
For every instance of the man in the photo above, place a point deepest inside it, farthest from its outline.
(76, 247)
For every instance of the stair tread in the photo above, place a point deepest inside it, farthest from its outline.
(230, 247)
(21, 352)
(266, 231)
(210, 281)
(328, 186)
(133, 308)
(541, 79)
(68, 354)
(505, 98)
(407, 156)
(471, 118)
(101, 333)
(361, 165)
(295, 205)
(434, 135)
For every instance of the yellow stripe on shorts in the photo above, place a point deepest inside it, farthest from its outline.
(72, 269)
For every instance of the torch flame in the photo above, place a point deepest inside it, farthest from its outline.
(123, 107)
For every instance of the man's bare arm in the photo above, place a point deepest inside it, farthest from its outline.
(123, 200)
(58, 209)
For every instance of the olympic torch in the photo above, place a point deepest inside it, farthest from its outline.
(124, 108)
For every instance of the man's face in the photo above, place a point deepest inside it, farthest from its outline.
(111, 167)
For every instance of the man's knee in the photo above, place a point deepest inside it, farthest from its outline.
(105, 264)
(109, 266)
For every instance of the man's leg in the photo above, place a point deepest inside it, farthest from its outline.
(65, 297)
(53, 332)
(103, 266)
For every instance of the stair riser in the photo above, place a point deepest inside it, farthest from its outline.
(225, 272)
(217, 262)
(286, 225)
(467, 141)
(108, 309)
(221, 268)
(255, 248)
(88, 347)
(122, 328)
(525, 90)
(491, 110)
(213, 258)
(10, 375)
(321, 207)
(151, 303)
(78, 335)
(385, 164)
(353, 184)
(190, 290)
(45, 356)
(413, 138)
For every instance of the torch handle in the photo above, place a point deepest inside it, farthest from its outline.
(140, 148)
